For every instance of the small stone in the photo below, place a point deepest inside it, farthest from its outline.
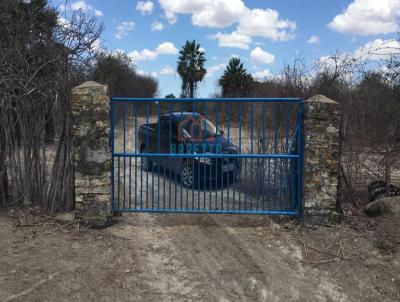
(65, 217)
(383, 205)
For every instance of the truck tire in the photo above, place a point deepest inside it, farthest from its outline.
(187, 174)
(145, 162)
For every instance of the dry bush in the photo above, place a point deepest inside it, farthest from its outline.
(370, 131)
(40, 54)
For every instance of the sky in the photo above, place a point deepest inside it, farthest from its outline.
(263, 34)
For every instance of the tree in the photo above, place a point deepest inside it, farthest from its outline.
(379, 94)
(118, 72)
(191, 67)
(170, 96)
(39, 55)
(235, 82)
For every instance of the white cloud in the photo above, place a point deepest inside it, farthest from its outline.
(215, 68)
(233, 39)
(171, 17)
(98, 13)
(166, 48)
(124, 28)
(117, 51)
(81, 4)
(205, 13)
(143, 55)
(266, 23)
(148, 74)
(157, 26)
(262, 75)
(224, 13)
(167, 70)
(145, 7)
(259, 56)
(63, 22)
(375, 50)
(368, 17)
(326, 63)
(63, 7)
(96, 45)
(313, 40)
(378, 49)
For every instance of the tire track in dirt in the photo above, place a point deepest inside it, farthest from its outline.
(218, 258)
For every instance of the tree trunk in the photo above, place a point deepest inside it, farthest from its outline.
(342, 176)
(4, 185)
(191, 88)
(387, 169)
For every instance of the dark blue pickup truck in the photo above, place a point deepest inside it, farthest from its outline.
(188, 133)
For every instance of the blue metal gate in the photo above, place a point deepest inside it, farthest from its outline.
(207, 155)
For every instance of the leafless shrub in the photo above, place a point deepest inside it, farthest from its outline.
(39, 56)
(369, 99)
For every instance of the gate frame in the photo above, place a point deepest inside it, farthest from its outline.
(298, 134)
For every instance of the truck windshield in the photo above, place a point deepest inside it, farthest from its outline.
(208, 128)
(199, 128)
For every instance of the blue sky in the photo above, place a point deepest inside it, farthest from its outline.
(264, 34)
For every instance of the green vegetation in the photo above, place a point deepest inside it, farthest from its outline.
(191, 67)
(235, 82)
(118, 72)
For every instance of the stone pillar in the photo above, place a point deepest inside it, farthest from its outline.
(92, 153)
(321, 156)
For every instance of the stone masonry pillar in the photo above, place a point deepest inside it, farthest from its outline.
(321, 156)
(92, 153)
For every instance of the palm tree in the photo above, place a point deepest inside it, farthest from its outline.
(235, 82)
(191, 67)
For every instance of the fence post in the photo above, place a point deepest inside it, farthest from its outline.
(92, 159)
(321, 157)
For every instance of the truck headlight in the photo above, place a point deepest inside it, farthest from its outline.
(204, 160)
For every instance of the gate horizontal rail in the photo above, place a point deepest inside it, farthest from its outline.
(161, 210)
(170, 155)
(205, 155)
(213, 100)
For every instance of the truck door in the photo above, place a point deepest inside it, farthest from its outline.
(168, 137)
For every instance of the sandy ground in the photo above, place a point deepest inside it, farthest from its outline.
(168, 257)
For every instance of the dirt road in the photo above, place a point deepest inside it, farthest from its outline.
(147, 257)
(203, 257)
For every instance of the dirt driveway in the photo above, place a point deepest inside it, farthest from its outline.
(157, 257)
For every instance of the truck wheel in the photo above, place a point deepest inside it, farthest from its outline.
(187, 174)
(145, 162)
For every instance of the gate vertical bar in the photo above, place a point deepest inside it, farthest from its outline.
(112, 151)
(300, 158)
(124, 130)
